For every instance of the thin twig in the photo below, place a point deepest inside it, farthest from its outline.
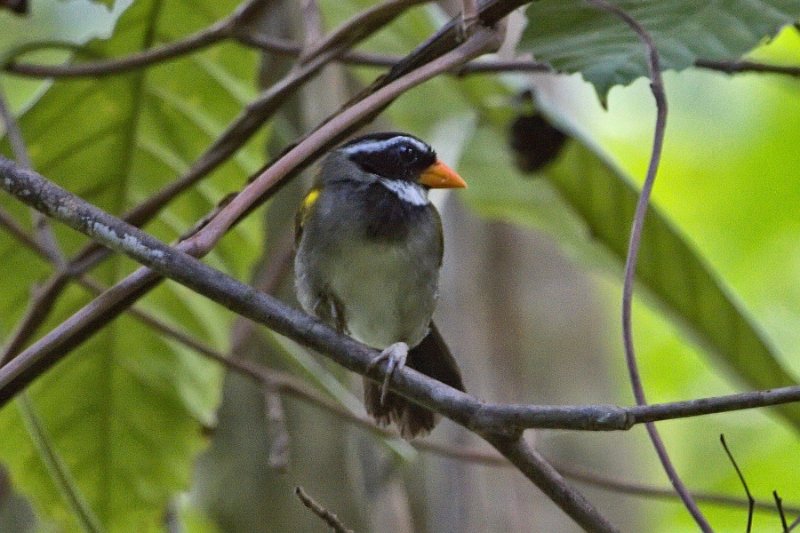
(328, 517)
(794, 524)
(743, 66)
(750, 499)
(18, 232)
(645, 491)
(286, 47)
(39, 307)
(13, 133)
(206, 37)
(779, 506)
(57, 470)
(657, 88)
(370, 59)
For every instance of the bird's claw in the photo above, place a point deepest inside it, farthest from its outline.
(395, 357)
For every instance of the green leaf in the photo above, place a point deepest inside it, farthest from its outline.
(576, 37)
(125, 411)
(587, 205)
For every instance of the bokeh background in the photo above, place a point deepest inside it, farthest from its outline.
(529, 305)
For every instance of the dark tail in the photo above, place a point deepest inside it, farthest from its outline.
(432, 358)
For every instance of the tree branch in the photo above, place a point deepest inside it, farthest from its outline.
(328, 517)
(215, 33)
(33, 189)
(742, 66)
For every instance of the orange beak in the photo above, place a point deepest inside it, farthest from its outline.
(440, 176)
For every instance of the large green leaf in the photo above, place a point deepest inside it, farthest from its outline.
(576, 37)
(124, 412)
(587, 205)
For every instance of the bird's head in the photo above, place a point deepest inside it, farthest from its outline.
(402, 157)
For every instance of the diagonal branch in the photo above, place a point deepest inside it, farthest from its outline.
(327, 516)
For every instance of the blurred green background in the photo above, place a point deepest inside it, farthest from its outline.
(530, 299)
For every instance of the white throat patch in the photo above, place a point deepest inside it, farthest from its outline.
(406, 191)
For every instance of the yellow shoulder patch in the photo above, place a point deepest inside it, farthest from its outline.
(304, 212)
(310, 198)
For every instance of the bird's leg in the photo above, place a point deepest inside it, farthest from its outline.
(330, 309)
(395, 357)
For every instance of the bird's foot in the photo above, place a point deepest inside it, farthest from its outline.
(395, 357)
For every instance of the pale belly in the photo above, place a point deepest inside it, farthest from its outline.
(380, 312)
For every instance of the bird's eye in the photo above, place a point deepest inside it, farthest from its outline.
(407, 155)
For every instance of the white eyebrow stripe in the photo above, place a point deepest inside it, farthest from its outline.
(380, 145)
(406, 191)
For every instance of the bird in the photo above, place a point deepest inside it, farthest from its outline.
(368, 251)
